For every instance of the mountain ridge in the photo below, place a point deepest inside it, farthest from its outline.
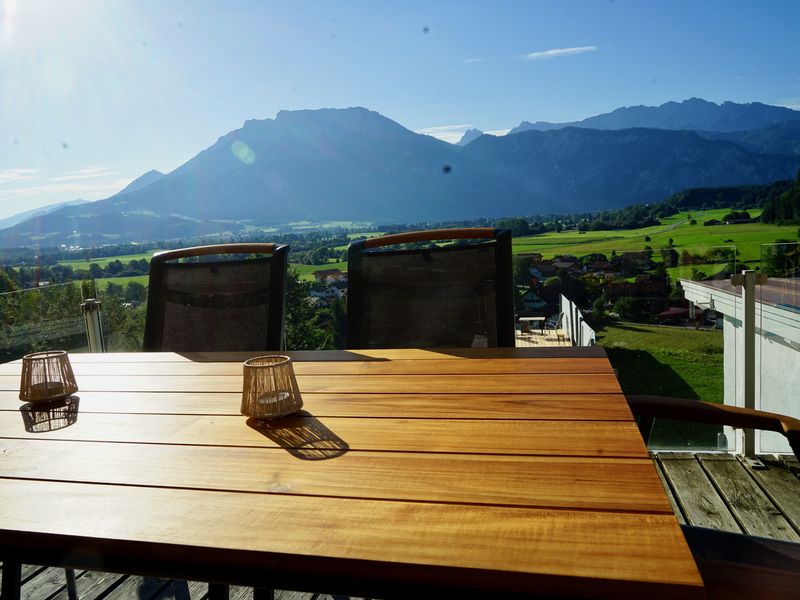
(355, 164)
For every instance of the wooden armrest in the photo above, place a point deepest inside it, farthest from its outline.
(430, 235)
(247, 248)
(682, 409)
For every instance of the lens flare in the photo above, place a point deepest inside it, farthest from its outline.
(243, 152)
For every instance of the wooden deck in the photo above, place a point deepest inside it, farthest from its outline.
(727, 492)
(48, 583)
(539, 339)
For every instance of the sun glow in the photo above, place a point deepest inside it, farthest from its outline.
(7, 19)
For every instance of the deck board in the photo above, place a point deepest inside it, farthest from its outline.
(722, 491)
(753, 509)
(696, 494)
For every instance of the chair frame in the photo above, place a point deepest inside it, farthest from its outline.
(154, 321)
(648, 408)
(504, 298)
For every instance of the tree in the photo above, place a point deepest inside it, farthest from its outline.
(135, 292)
(301, 333)
(521, 271)
(96, 271)
(781, 259)
(517, 225)
(670, 257)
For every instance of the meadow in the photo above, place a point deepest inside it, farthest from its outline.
(103, 262)
(668, 361)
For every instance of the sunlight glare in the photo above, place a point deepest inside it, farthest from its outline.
(7, 19)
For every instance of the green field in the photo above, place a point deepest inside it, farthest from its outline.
(102, 284)
(125, 259)
(696, 239)
(668, 361)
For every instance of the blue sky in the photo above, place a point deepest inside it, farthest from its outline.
(93, 93)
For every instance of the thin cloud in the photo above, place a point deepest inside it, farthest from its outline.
(447, 133)
(498, 132)
(91, 172)
(793, 103)
(557, 53)
(12, 175)
(95, 190)
(478, 59)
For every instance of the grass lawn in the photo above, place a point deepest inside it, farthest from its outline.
(669, 361)
(306, 272)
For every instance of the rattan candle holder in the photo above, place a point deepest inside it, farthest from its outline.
(270, 388)
(46, 376)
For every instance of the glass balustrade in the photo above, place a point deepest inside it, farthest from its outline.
(42, 318)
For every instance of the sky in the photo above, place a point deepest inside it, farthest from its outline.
(94, 93)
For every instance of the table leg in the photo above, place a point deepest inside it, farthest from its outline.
(72, 590)
(12, 581)
(263, 594)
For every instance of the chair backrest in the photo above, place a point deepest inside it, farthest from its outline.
(214, 304)
(457, 295)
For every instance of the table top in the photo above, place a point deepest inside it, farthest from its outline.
(499, 470)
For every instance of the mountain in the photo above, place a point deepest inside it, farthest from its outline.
(141, 182)
(693, 114)
(577, 169)
(354, 164)
(469, 135)
(35, 212)
(783, 138)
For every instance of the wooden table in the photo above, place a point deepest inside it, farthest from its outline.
(478, 472)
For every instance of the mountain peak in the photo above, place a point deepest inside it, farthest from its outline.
(469, 135)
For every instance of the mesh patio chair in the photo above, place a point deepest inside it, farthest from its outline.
(216, 305)
(732, 565)
(436, 297)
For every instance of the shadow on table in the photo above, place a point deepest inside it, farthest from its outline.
(302, 435)
(41, 417)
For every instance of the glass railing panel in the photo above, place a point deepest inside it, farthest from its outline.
(42, 318)
(777, 331)
(657, 312)
(123, 309)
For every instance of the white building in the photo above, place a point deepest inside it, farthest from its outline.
(777, 346)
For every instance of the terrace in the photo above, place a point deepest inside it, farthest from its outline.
(720, 487)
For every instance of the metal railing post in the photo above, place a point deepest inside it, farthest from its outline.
(94, 331)
(748, 280)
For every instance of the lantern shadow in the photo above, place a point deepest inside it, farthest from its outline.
(302, 435)
(41, 417)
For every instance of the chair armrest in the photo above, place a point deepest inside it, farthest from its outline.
(682, 409)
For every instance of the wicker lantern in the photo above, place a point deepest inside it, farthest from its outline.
(46, 376)
(270, 388)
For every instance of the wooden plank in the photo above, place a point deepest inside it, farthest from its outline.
(560, 438)
(495, 366)
(676, 509)
(602, 383)
(581, 483)
(780, 485)
(92, 585)
(791, 463)
(605, 554)
(582, 407)
(45, 584)
(347, 355)
(753, 509)
(696, 495)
